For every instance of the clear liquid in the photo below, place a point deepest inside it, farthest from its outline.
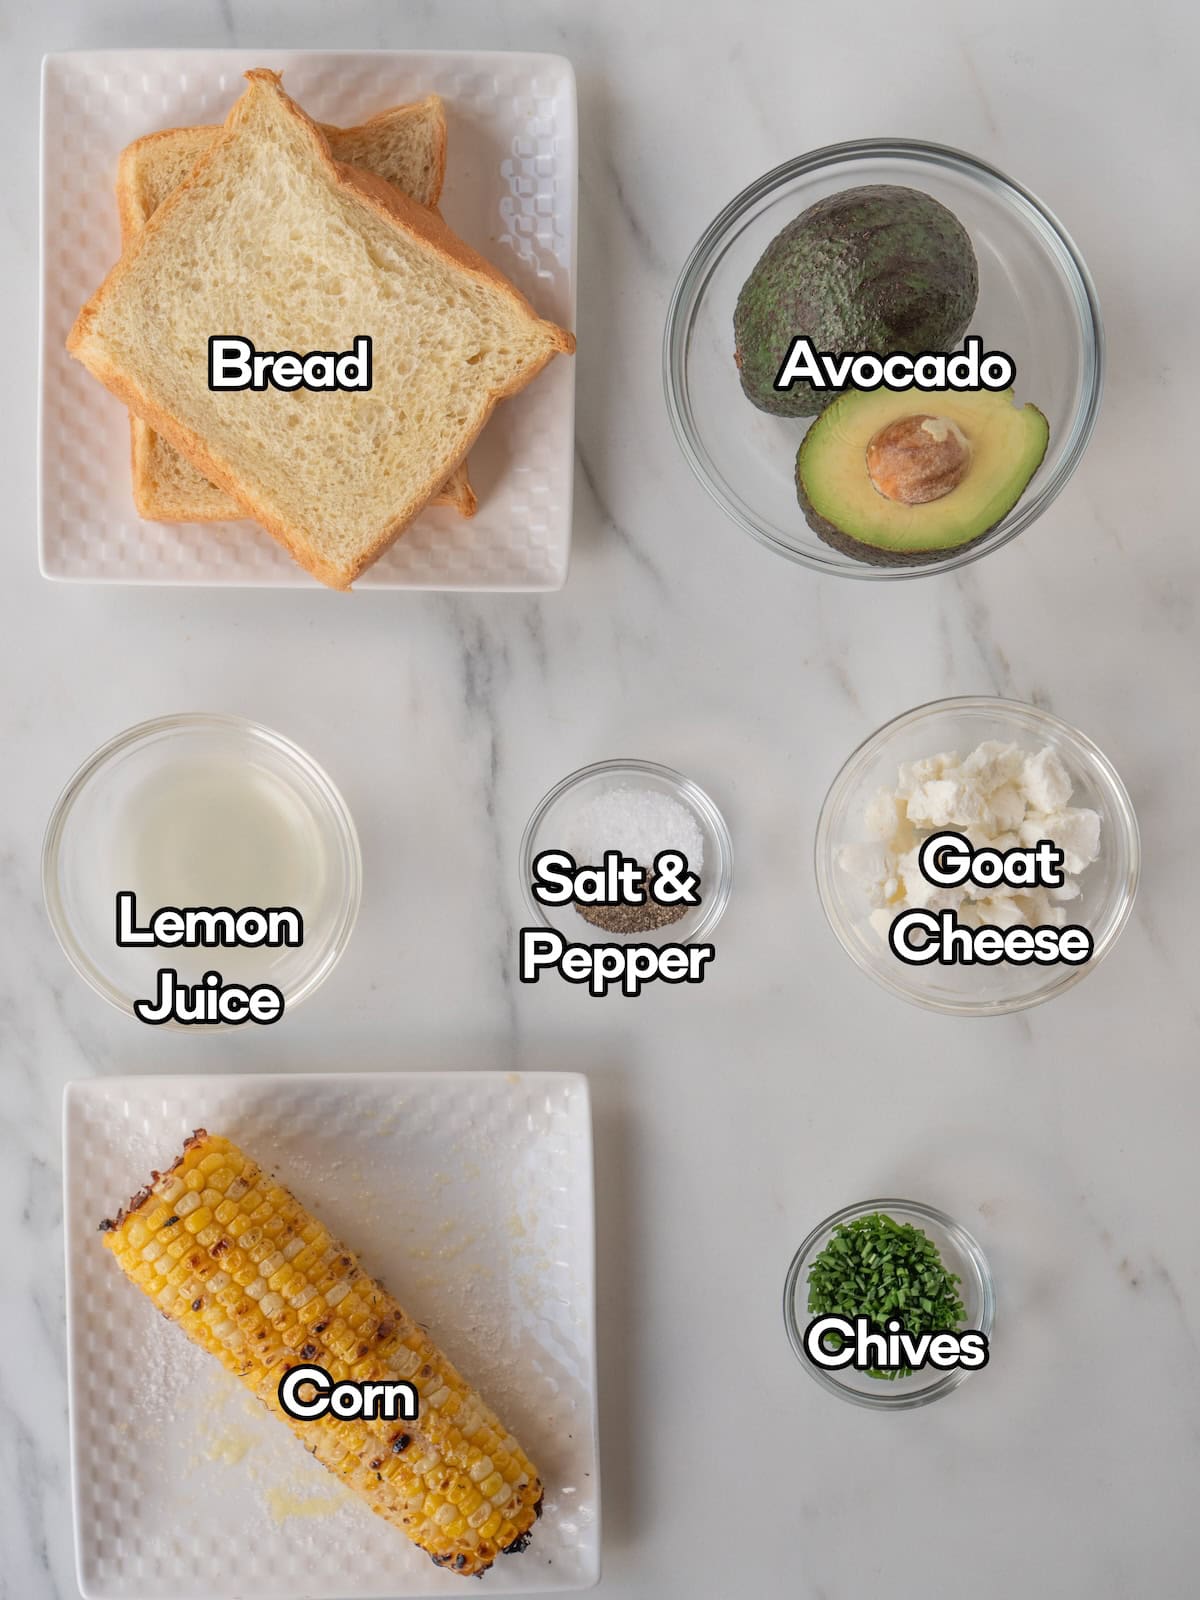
(212, 831)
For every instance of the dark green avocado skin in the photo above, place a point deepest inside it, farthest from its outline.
(880, 268)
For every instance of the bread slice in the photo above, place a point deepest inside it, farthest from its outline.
(270, 238)
(406, 145)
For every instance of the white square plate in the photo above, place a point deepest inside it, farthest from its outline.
(469, 1194)
(511, 191)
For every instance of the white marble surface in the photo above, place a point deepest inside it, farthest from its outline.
(732, 1116)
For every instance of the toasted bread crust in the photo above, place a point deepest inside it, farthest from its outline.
(129, 206)
(390, 205)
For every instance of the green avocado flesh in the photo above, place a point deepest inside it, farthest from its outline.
(880, 268)
(843, 506)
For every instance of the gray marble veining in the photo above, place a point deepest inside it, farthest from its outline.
(729, 1117)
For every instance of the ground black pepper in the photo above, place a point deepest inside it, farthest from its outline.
(632, 919)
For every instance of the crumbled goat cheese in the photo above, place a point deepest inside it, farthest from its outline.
(999, 797)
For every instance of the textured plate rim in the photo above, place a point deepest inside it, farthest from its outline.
(240, 57)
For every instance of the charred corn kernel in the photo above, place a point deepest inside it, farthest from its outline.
(254, 1279)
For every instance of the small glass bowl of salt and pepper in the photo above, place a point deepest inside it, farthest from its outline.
(639, 809)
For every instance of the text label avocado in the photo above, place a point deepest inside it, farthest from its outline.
(970, 370)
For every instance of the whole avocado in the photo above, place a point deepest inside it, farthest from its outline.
(880, 268)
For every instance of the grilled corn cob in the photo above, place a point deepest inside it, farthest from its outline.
(247, 1273)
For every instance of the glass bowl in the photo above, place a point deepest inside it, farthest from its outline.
(122, 822)
(960, 1254)
(1107, 887)
(1036, 302)
(548, 828)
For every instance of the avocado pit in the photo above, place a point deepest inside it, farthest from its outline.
(917, 459)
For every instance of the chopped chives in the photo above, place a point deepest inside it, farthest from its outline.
(876, 1267)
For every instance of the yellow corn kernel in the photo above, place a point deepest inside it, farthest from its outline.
(460, 1488)
(278, 1284)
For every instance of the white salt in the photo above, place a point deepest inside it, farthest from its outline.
(640, 823)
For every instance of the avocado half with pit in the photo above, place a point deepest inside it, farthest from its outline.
(900, 479)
